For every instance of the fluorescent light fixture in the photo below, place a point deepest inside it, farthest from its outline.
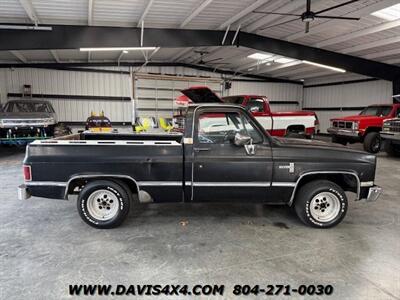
(22, 27)
(260, 56)
(323, 66)
(284, 60)
(390, 13)
(117, 49)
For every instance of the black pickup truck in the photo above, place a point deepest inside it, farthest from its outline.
(223, 154)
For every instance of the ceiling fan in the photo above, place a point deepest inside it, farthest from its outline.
(208, 62)
(309, 15)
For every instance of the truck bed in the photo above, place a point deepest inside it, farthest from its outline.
(147, 159)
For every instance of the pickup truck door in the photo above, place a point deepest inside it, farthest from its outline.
(222, 171)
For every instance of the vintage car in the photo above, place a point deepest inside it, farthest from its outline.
(224, 154)
(27, 119)
(364, 127)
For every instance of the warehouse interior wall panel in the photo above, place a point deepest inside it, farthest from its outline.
(354, 95)
(3, 86)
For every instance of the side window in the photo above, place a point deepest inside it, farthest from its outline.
(255, 105)
(221, 127)
(398, 113)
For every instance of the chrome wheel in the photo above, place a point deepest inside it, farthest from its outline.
(102, 205)
(325, 207)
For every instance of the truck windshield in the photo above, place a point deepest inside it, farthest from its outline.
(28, 107)
(376, 111)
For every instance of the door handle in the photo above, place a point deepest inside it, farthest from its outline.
(201, 149)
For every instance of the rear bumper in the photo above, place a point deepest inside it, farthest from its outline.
(343, 132)
(374, 193)
(23, 192)
(41, 189)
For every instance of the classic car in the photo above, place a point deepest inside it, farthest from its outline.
(27, 119)
(224, 154)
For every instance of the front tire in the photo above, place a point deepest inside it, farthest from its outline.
(103, 204)
(372, 142)
(321, 204)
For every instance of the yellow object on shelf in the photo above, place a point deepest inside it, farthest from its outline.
(164, 125)
(143, 126)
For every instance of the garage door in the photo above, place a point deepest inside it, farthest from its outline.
(155, 95)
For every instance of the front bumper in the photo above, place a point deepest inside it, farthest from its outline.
(395, 136)
(343, 132)
(23, 192)
(374, 193)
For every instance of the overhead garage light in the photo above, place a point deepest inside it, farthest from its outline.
(24, 27)
(390, 13)
(117, 49)
(260, 56)
(324, 66)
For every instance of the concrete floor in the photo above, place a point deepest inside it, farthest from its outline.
(44, 245)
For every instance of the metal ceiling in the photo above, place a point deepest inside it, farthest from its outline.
(371, 37)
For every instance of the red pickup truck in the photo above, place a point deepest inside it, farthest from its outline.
(289, 124)
(364, 127)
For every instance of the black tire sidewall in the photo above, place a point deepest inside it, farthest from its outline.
(368, 142)
(117, 190)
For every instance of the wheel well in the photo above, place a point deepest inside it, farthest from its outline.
(76, 184)
(296, 128)
(347, 182)
(373, 129)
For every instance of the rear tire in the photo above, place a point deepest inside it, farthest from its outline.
(321, 204)
(391, 149)
(372, 142)
(103, 204)
(338, 140)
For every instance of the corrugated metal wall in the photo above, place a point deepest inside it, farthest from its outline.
(102, 84)
(75, 83)
(357, 95)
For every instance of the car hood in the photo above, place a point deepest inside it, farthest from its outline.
(201, 94)
(356, 118)
(25, 115)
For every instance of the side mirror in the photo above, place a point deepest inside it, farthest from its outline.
(241, 139)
